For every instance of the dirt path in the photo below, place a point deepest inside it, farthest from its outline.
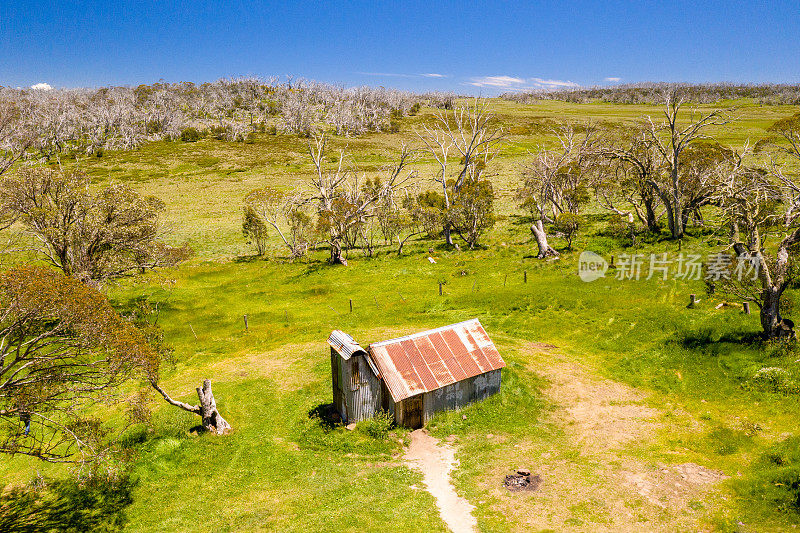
(435, 461)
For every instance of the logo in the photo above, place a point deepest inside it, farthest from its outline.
(591, 266)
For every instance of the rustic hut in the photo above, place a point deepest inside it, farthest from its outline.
(415, 376)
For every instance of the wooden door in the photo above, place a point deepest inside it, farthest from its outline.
(413, 412)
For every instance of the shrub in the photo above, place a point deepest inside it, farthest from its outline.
(414, 109)
(254, 230)
(568, 225)
(619, 227)
(190, 135)
(377, 427)
(220, 133)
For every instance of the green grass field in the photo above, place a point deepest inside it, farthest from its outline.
(610, 385)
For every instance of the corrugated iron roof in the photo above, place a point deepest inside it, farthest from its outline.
(429, 360)
(344, 344)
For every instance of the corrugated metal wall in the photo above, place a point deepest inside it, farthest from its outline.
(359, 395)
(461, 393)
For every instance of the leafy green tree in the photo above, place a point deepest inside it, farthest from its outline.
(567, 225)
(91, 236)
(472, 212)
(63, 351)
(760, 206)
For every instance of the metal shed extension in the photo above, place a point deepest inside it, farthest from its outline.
(357, 391)
(445, 368)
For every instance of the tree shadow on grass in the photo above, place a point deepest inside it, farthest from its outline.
(96, 504)
(705, 338)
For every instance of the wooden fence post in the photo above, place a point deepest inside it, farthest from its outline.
(746, 307)
(245, 322)
(692, 301)
(351, 305)
(525, 277)
(440, 288)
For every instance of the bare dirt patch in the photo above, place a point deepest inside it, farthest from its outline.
(599, 414)
(592, 480)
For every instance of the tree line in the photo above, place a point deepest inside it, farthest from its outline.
(41, 124)
(652, 93)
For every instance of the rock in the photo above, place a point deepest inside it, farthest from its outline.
(351, 426)
(431, 259)
(463, 417)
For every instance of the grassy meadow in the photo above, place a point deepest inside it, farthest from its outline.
(610, 387)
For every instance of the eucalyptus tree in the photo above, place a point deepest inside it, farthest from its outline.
(64, 351)
(558, 181)
(762, 206)
(671, 137)
(94, 237)
(625, 184)
(462, 142)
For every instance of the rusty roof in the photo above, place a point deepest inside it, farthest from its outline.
(429, 360)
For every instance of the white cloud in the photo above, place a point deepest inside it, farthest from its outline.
(553, 84)
(41, 87)
(511, 83)
(502, 82)
(433, 75)
(613, 79)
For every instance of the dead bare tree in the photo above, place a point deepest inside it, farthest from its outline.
(558, 181)
(342, 202)
(468, 133)
(671, 137)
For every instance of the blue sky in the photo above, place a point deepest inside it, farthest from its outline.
(485, 47)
